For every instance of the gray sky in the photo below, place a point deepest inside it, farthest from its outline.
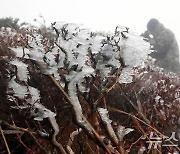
(102, 15)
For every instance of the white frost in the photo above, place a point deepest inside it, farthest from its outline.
(126, 75)
(74, 51)
(157, 98)
(134, 51)
(40, 112)
(19, 90)
(122, 131)
(104, 115)
(105, 118)
(22, 71)
(35, 94)
(20, 53)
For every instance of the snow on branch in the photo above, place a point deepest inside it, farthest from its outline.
(81, 53)
(71, 56)
(105, 118)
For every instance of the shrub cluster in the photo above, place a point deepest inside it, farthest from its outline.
(68, 90)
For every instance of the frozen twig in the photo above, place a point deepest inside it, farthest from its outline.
(55, 126)
(105, 118)
(96, 135)
(71, 139)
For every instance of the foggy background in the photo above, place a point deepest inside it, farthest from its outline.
(98, 15)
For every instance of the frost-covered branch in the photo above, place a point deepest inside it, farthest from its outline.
(71, 139)
(68, 59)
(105, 118)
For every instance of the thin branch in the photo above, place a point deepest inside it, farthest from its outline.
(55, 126)
(71, 139)
(135, 107)
(23, 130)
(133, 116)
(5, 142)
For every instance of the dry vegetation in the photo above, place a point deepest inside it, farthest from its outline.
(115, 116)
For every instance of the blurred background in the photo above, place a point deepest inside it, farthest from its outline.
(98, 15)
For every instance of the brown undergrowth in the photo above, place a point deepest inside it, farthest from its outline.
(149, 104)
